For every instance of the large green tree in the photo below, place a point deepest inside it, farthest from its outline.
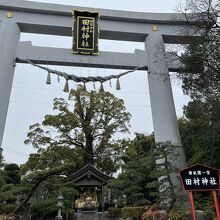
(83, 130)
(200, 127)
(200, 133)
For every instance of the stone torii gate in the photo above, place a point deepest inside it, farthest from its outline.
(154, 29)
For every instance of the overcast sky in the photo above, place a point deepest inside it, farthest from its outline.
(31, 99)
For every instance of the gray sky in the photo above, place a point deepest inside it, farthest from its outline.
(31, 99)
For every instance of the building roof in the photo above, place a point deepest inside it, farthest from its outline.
(89, 176)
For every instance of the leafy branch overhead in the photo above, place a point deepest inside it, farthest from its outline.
(201, 77)
(34, 180)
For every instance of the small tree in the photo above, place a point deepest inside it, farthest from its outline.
(148, 173)
(138, 163)
(48, 182)
(9, 180)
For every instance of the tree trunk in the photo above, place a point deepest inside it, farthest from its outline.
(89, 154)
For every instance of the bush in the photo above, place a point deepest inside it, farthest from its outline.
(132, 212)
(114, 212)
(154, 214)
(179, 214)
(185, 214)
(2, 181)
(45, 207)
(8, 208)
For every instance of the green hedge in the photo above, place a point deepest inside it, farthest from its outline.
(132, 212)
(185, 214)
(114, 212)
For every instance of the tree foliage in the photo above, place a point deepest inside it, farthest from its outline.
(201, 76)
(31, 183)
(201, 135)
(136, 172)
(201, 14)
(200, 127)
(83, 130)
(202, 62)
(12, 173)
(35, 189)
(144, 164)
(9, 181)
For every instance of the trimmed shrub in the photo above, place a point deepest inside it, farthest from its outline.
(179, 214)
(185, 214)
(132, 212)
(114, 212)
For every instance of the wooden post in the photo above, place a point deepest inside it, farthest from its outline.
(216, 205)
(192, 205)
(103, 201)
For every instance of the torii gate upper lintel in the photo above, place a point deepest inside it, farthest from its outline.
(154, 29)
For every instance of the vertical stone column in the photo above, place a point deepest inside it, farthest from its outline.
(9, 37)
(162, 104)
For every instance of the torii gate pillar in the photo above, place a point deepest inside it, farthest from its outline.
(162, 103)
(9, 38)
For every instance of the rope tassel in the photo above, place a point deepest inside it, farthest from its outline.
(101, 88)
(58, 78)
(48, 78)
(94, 85)
(110, 83)
(66, 87)
(84, 87)
(118, 86)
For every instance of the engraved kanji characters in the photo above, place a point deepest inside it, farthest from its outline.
(87, 31)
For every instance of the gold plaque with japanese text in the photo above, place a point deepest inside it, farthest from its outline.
(85, 32)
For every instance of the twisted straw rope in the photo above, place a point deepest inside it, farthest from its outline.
(83, 79)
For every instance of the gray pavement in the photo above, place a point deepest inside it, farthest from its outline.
(93, 216)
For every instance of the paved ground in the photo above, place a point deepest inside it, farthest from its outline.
(93, 216)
